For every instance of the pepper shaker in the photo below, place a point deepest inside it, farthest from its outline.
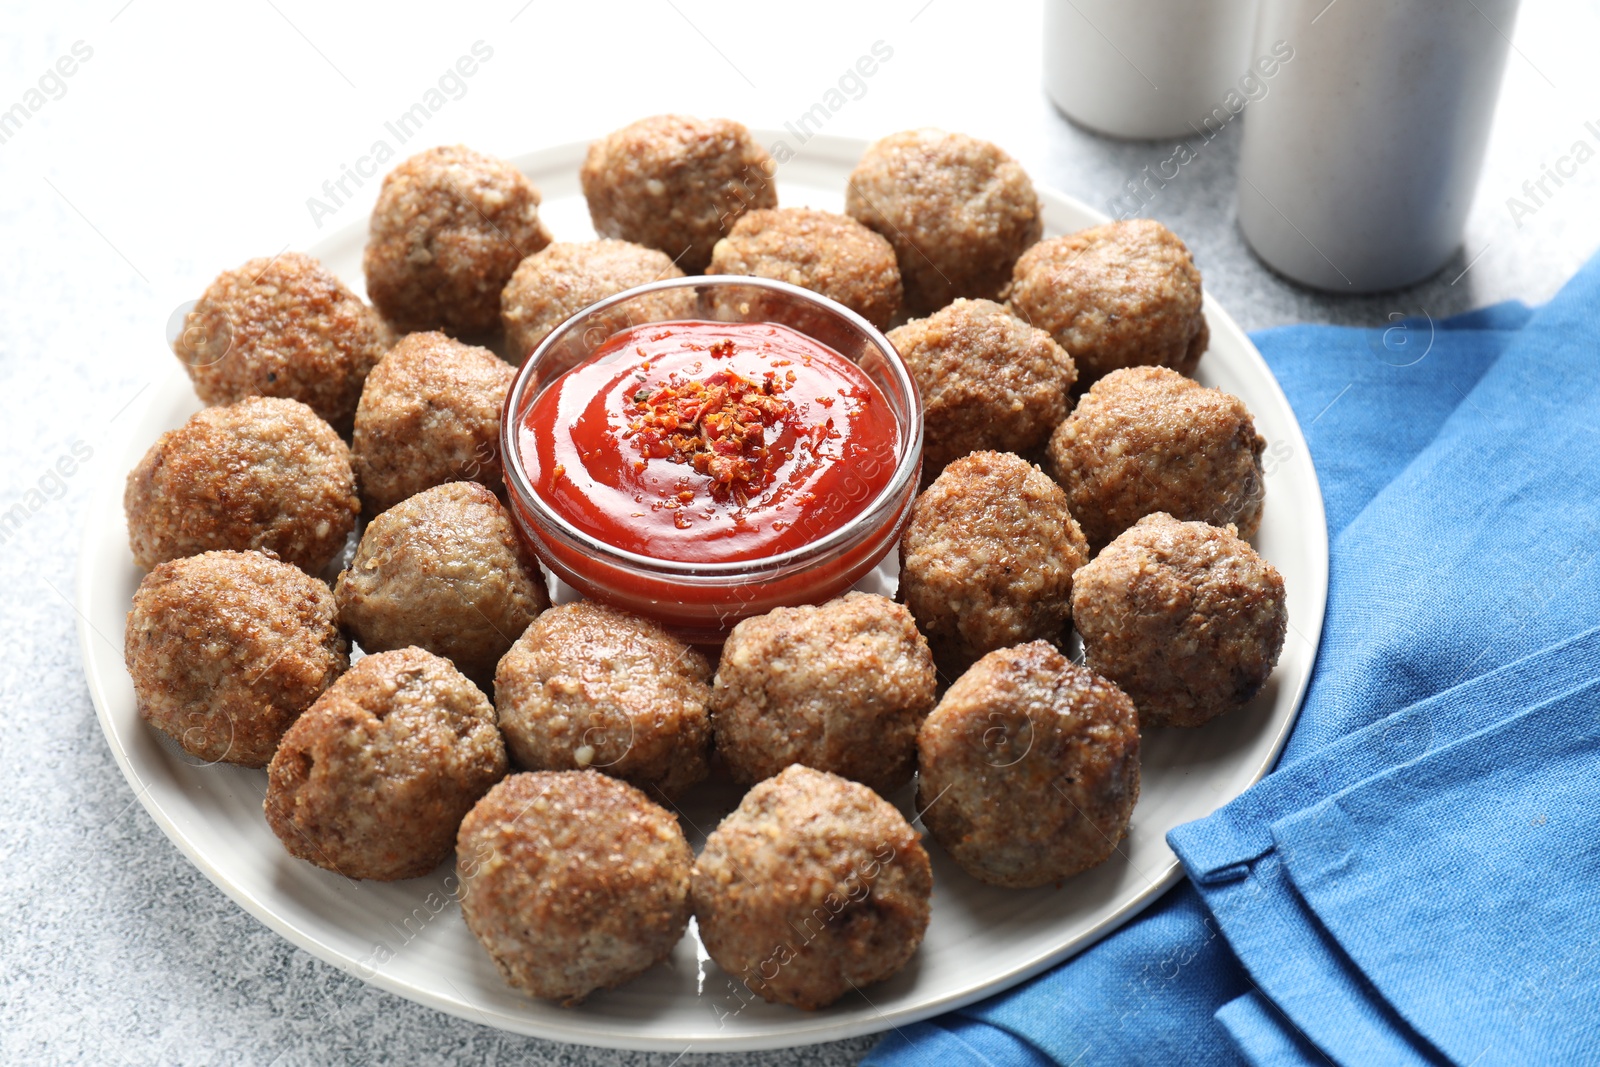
(1357, 170)
(1144, 68)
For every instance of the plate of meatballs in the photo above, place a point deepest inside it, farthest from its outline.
(350, 687)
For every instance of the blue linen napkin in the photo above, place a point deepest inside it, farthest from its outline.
(1256, 1028)
(1490, 951)
(1460, 463)
(1285, 945)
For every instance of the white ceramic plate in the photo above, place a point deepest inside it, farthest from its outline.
(408, 938)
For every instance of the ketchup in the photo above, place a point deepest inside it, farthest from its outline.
(705, 442)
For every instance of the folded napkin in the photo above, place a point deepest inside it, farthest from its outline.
(1418, 881)
(1256, 882)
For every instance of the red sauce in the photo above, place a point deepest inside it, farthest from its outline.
(706, 442)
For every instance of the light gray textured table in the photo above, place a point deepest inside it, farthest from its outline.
(190, 140)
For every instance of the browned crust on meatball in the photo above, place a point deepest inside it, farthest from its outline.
(375, 778)
(1029, 768)
(1184, 616)
(987, 558)
(1148, 439)
(957, 210)
(445, 571)
(551, 286)
(840, 687)
(989, 381)
(286, 327)
(818, 250)
(676, 183)
(449, 227)
(573, 881)
(1120, 295)
(226, 649)
(264, 473)
(813, 887)
(430, 414)
(587, 685)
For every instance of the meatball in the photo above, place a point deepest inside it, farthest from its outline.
(957, 210)
(551, 286)
(572, 881)
(374, 779)
(1147, 439)
(841, 688)
(443, 570)
(262, 473)
(813, 887)
(284, 327)
(449, 227)
(1029, 768)
(829, 254)
(987, 558)
(430, 414)
(988, 381)
(1185, 617)
(1120, 295)
(226, 649)
(676, 183)
(590, 686)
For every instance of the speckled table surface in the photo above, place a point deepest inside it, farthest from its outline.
(190, 138)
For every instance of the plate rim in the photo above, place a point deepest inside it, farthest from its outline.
(820, 146)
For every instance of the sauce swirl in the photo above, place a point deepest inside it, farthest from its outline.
(704, 442)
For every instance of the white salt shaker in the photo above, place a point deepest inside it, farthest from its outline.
(1357, 170)
(1145, 68)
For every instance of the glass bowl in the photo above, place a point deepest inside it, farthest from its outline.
(701, 602)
